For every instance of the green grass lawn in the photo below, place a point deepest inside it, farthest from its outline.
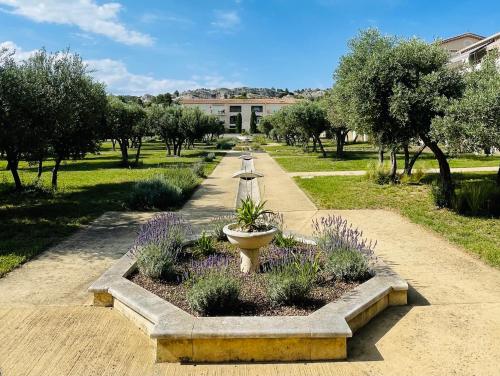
(358, 157)
(477, 235)
(30, 223)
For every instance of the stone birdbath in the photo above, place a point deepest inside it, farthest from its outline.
(249, 244)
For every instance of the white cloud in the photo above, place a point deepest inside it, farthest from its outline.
(85, 14)
(119, 80)
(226, 20)
(20, 54)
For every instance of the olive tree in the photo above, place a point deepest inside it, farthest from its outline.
(333, 103)
(395, 89)
(472, 123)
(309, 119)
(16, 105)
(79, 108)
(125, 124)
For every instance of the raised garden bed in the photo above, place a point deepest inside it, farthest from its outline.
(254, 299)
(315, 329)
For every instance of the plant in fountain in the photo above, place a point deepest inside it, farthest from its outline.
(251, 215)
(250, 233)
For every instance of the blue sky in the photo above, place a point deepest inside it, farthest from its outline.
(155, 46)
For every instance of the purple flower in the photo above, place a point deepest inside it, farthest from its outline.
(333, 232)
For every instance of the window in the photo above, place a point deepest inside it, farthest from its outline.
(257, 108)
(232, 119)
(234, 108)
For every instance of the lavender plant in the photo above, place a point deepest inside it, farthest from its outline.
(334, 233)
(292, 273)
(159, 244)
(213, 290)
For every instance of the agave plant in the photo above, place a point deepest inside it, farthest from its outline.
(250, 215)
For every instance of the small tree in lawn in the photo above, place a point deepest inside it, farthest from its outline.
(253, 123)
(349, 80)
(16, 106)
(266, 125)
(310, 119)
(239, 123)
(333, 103)
(80, 104)
(472, 123)
(124, 122)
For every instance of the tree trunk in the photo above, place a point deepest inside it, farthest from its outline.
(138, 152)
(124, 150)
(55, 170)
(380, 154)
(179, 148)
(40, 168)
(406, 151)
(340, 138)
(113, 142)
(498, 177)
(394, 165)
(314, 145)
(444, 170)
(355, 139)
(15, 174)
(321, 147)
(414, 159)
(169, 150)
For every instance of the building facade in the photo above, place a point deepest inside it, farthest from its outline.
(227, 110)
(470, 48)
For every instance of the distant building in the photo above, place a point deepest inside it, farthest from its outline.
(454, 44)
(227, 110)
(470, 48)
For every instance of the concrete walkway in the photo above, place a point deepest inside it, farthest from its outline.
(311, 174)
(451, 327)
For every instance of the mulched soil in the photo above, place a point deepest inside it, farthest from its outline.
(254, 301)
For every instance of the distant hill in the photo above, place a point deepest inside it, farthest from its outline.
(250, 92)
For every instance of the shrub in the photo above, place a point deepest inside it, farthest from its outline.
(156, 262)
(290, 286)
(415, 178)
(347, 265)
(292, 273)
(184, 178)
(210, 157)
(334, 233)
(226, 144)
(217, 226)
(205, 245)
(284, 241)
(198, 169)
(214, 293)
(260, 139)
(475, 198)
(255, 146)
(159, 244)
(154, 193)
(438, 195)
(378, 173)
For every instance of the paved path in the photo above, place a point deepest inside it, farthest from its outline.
(451, 327)
(358, 172)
